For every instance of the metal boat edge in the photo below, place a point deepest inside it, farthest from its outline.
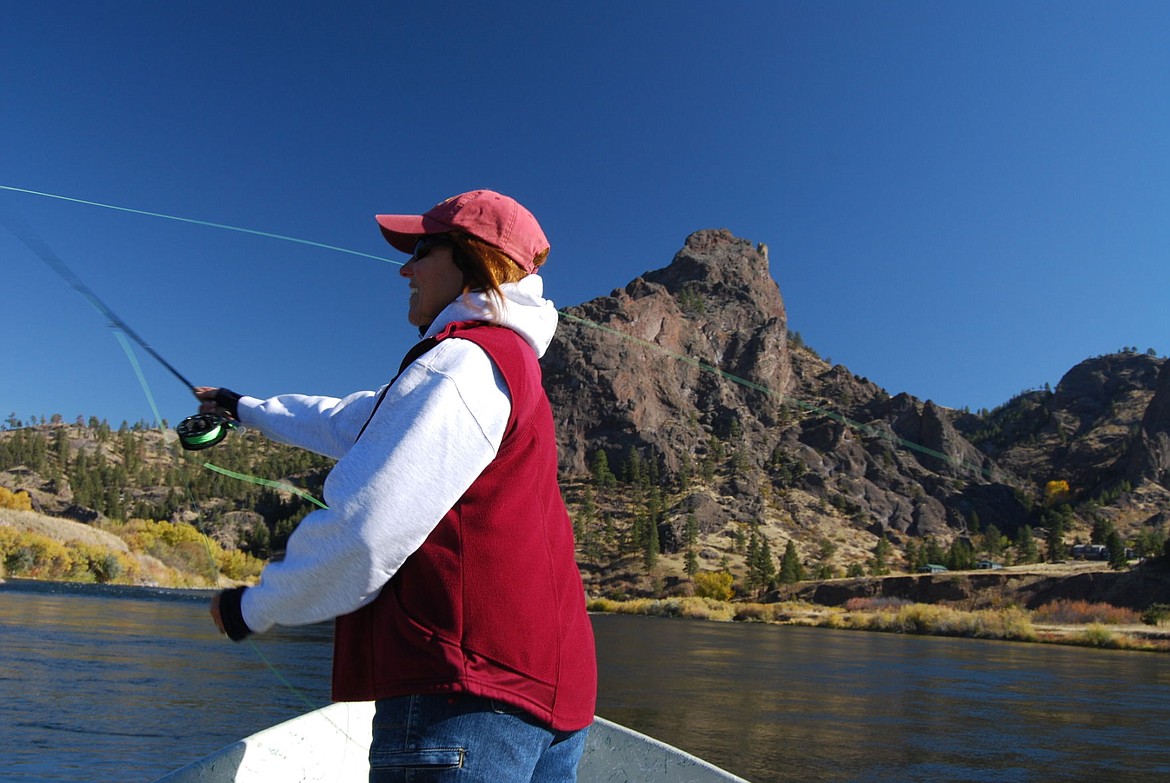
(331, 744)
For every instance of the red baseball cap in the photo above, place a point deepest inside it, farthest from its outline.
(496, 219)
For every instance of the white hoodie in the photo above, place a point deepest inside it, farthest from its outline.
(439, 426)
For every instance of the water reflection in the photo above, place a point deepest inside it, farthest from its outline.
(97, 688)
(103, 688)
(816, 705)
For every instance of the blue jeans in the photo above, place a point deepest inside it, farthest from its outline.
(467, 739)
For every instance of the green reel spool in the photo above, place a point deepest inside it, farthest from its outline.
(202, 431)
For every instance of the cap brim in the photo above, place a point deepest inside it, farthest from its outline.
(403, 231)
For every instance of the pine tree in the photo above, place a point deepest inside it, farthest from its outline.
(1101, 530)
(933, 553)
(650, 544)
(691, 540)
(993, 542)
(960, 556)
(913, 554)
(751, 557)
(634, 468)
(61, 453)
(1117, 558)
(761, 573)
(585, 527)
(602, 475)
(791, 569)
(879, 563)
(767, 565)
(1057, 549)
(1027, 551)
(685, 471)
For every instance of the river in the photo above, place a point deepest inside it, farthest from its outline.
(123, 685)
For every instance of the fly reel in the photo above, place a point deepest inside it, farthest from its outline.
(203, 430)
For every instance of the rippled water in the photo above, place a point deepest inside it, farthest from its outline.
(123, 686)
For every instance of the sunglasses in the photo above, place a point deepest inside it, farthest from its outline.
(424, 245)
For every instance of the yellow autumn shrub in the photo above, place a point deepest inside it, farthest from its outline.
(20, 501)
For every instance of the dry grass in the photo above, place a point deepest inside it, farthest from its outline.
(893, 616)
(36, 546)
(1062, 612)
(932, 620)
(63, 530)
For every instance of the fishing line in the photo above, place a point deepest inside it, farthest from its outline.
(200, 436)
(864, 429)
(265, 483)
(22, 231)
(312, 705)
(196, 222)
(195, 432)
(212, 561)
(129, 351)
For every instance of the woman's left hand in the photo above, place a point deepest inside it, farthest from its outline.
(217, 400)
(215, 615)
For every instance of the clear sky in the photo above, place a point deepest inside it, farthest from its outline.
(961, 200)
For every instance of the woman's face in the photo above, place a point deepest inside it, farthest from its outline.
(435, 281)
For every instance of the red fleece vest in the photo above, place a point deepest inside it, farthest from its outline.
(492, 603)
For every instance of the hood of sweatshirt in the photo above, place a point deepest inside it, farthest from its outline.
(524, 311)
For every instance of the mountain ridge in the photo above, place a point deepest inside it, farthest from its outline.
(687, 386)
(818, 447)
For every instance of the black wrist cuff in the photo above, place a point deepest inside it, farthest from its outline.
(232, 615)
(229, 401)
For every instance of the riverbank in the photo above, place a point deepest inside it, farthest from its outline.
(1030, 586)
(139, 552)
(981, 605)
(1006, 624)
(109, 590)
(874, 615)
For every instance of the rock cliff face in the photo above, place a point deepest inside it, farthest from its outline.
(634, 369)
(692, 363)
(1106, 422)
(1149, 452)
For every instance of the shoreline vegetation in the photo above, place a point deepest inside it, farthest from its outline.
(1072, 623)
(167, 556)
(138, 552)
(1075, 623)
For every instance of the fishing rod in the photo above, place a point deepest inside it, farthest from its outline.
(200, 431)
(196, 432)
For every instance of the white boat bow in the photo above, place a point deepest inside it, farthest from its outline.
(331, 745)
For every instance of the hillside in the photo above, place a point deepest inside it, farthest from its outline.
(753, 431)
(698, 433)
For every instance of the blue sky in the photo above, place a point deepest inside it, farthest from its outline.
(961, 200)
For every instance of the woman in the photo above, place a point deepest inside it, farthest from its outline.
(446, 553)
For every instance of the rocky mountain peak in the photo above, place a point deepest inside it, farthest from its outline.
(1149, 454)
(1091, 430)
(726, 271)
(1096, 387)
(691, 362)
(641, 368)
